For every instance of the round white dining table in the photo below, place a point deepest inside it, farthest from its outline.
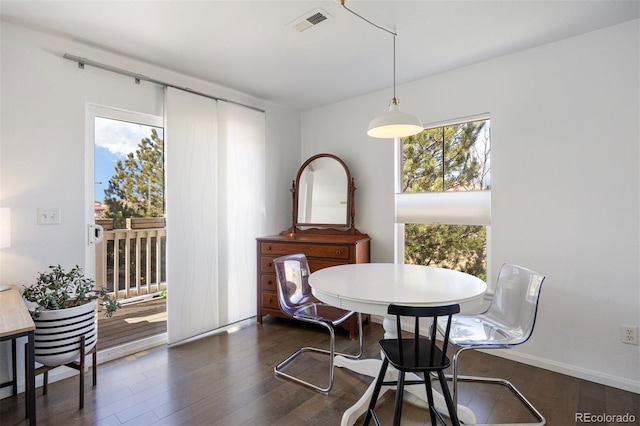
(371, 287)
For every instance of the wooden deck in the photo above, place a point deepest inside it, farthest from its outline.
(133, 321)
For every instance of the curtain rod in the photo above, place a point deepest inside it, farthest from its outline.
(84, 61)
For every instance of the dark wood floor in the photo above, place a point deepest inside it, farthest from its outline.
(227, 379)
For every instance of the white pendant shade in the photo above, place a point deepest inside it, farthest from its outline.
(394, 124)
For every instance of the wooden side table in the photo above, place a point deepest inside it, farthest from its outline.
(15, 322)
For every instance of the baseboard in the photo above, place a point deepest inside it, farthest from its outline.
(116, 352)
(558, 367)
(569, 370)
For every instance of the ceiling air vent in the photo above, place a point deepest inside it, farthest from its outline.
(316, 18)
(309, 20)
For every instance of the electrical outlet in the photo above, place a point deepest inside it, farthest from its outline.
(48, 215)
(629, 334)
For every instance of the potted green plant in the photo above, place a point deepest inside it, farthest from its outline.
(64, 308)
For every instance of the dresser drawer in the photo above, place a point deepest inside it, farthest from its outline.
(314, 264)
(270, 300)
(266, 265)
(315, 250)
(268, 282)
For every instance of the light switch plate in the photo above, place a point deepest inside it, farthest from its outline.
(48, 215)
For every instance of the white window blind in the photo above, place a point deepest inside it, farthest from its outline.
(447, 208)
(215, 193)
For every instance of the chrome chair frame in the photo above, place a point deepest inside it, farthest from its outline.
(301, 313)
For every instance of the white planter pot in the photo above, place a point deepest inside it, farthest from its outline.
(58, 333)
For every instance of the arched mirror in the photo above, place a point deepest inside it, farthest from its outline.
(323, 194)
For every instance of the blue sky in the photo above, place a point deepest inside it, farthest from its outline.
(113, 141)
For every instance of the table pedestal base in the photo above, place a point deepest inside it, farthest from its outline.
(371, 367)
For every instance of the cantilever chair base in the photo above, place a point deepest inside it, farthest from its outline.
(541, 421)
(278, 369)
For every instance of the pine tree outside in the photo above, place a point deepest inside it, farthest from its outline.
(136, 188)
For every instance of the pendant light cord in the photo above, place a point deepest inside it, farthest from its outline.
(393, 33)
(395, 100)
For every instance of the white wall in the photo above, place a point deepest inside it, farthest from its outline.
(42, 145)
(566, 184)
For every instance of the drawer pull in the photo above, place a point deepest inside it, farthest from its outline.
(338, 252)
(268, 248)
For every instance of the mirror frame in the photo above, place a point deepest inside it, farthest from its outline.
(350, 211)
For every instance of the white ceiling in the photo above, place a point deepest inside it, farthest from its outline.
(249, 45)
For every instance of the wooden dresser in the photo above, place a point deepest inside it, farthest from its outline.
(322, 250)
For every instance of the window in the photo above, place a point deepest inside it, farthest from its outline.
(444, 196)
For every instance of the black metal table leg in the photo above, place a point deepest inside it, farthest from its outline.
(30, 392)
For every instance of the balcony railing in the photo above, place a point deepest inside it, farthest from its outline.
(132, 262)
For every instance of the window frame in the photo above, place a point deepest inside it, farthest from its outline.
(485, 210)
(91, 111)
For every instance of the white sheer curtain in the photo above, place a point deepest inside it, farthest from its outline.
(215, 209)
(241, 214)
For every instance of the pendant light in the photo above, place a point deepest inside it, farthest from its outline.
(394, 123)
